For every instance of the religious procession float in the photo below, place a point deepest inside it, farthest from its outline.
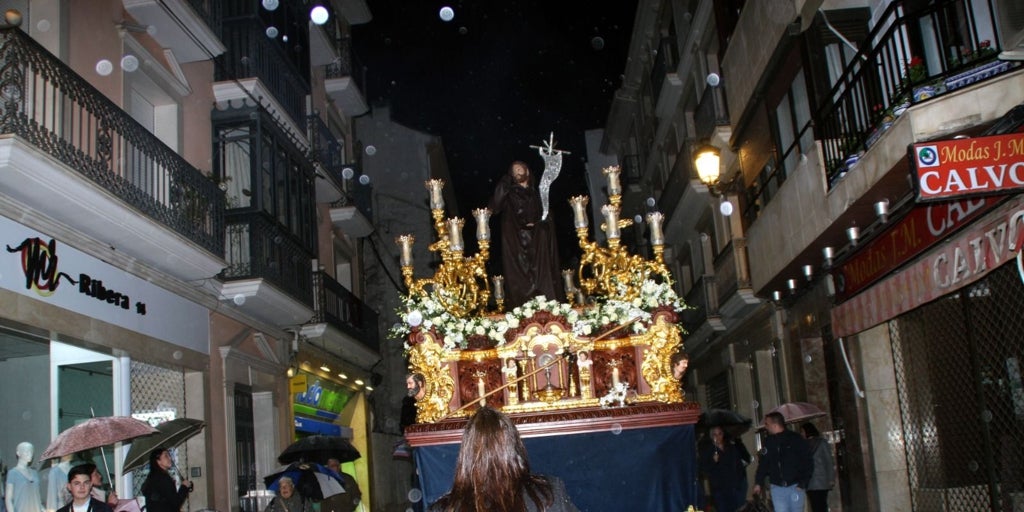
(609, 345)
(588, 382)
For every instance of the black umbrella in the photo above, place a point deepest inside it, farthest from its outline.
(168, 435)
(318, 449)
(731, 421)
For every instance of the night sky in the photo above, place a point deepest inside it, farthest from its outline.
(496, 79)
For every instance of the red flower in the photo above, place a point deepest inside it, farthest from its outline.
(916, 61)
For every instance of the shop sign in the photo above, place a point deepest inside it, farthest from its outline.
(320, 398)
(905, 239)
(44, 268)
(968, 167)
(969, 256)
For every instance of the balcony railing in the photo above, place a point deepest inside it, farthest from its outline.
(209, 10)
(711, 112)
(664, 63)
(258, 248)
(325, 148)
(341, 308)
(912, 56)
(46, 103)
(251, 54)
(348, 65)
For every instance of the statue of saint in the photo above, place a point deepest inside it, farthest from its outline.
(529, 248)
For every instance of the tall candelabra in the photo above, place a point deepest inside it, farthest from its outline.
(460, 283)
(611, 271)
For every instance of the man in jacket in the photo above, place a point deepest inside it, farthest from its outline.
(786, 462)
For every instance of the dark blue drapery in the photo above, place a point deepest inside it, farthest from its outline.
(645, 469)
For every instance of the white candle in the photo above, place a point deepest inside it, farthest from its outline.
(615, 376)
(611, 221)
(579, 210)
(499, 287)
(436, 199)
(567, 279)
(405, 242)
(654, 220)
(483, 230)
(455, 233)
(480, 386)
(614, 188)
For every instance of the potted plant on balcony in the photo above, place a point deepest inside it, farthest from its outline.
(914, 76)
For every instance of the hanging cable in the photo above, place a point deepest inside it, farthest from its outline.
(849, 369)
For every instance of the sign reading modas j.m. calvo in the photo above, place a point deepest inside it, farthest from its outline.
(968, 167)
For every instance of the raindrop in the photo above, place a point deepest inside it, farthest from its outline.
(446, 13)
(129, 63)
(177, 355)
(151, 30)
(284, 38)
(415, 495)
(414, 318)
(43, 26)
(597, 43)
(239, 299)
(986, 416)
(104, 67)
(651, 202)
(272, 32)
(371, 150)
(347, 173)
(616, 428)
(725, 208)
(638, 218)
(364, 180)
(270, 5)
(463, 30)
(972, 466)
(319, 15)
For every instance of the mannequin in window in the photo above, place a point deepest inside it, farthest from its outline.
(22, 487)
(57, 494)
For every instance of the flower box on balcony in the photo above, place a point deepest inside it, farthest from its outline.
(979, 73)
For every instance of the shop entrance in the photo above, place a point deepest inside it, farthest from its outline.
(958, 372)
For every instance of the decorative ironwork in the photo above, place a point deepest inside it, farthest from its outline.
(339, 307)
(51, 107)
(259, 248)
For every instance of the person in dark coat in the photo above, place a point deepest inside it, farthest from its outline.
(80, 486)
(159, 489)
(529, 247)
(824, 473)
(786, 463)
(492, 472)
(724, 461)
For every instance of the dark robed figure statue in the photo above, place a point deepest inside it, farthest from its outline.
(529, 248)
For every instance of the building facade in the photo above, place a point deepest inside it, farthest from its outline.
(829, 282)
(182, 214)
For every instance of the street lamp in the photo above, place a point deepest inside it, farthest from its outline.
(708, 160)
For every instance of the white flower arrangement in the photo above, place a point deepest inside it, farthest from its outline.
(428, 312)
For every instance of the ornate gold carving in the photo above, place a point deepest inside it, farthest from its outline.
(428, 358)
(662, 341)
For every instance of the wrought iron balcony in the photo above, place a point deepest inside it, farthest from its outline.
(260, 249)
(711, 112)
(664, 64)
(47, 105)
(345, 81)
(341, 309)
(898, 70)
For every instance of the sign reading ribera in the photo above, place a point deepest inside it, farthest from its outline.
(954, 168)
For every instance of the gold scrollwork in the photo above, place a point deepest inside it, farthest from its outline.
(662, 341)
(428, 358)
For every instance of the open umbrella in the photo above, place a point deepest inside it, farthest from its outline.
(798, 411)
(94, 433)
(318, 449)
(168, 435)
(313, 481)
(731, 421)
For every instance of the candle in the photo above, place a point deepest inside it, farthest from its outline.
(567, 279)
(481, 389)
(579, 210)
(611, 221)
(405, 242)
(455, 233)
(654, 219)
(615, 376)
(483, 230)
(499, 287)
(436, 199)
(614, 188)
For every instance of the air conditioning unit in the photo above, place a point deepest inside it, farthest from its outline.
(1010, 17)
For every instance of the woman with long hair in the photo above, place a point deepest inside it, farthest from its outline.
(159, 489)
(492, 472)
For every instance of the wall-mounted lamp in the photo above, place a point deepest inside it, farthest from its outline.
(791, 284)
(325, 368)
(707, 159)
(829, 254)
(882, 210)
(853, 234)
(342, 376)
(808, 272)
(776, 296)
